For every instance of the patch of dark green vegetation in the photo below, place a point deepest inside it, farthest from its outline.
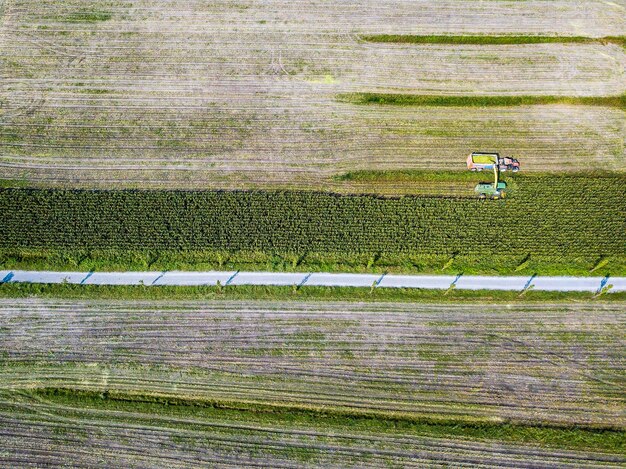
(490, 40)
(419, 175)
(87, 16)
(344, 421)
(93, 91)
(399, 175)
(14, 183)
(559, 220)
(397, 99)
(293, 293)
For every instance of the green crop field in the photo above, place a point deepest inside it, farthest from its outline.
(549, 223)
(311, 383)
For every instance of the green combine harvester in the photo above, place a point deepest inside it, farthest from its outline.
(490, 190)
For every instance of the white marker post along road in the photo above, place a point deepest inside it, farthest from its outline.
(437, 282)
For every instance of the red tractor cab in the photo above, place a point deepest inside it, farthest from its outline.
(509, 164)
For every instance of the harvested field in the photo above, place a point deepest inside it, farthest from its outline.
(593, 18)
(553, 364)
(243, 95)
(246, 382)
(55, 430)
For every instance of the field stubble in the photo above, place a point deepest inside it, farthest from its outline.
(560, 364)
(44, 429)
(49, 428)
(314, 369)
(162, 97)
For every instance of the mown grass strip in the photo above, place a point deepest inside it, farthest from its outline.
(489, 39)
(292, 293)
(398, 99)
(401, 175)
(345, 420)
(419, 175)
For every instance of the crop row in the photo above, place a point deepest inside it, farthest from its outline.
(543, 216)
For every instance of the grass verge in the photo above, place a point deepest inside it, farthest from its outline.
(398, 99)
(490, 40)
(342, 421)
(115, 260)
(291, 293)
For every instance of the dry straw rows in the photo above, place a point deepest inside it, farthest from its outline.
(240, 94)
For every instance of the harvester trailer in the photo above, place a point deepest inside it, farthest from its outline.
(479, 161)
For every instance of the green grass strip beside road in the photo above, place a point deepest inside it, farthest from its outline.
(490, 40)
(136, 260)
(291, 293)
(398, 99)
(340, 420)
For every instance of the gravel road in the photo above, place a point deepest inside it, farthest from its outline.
(439, 282)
